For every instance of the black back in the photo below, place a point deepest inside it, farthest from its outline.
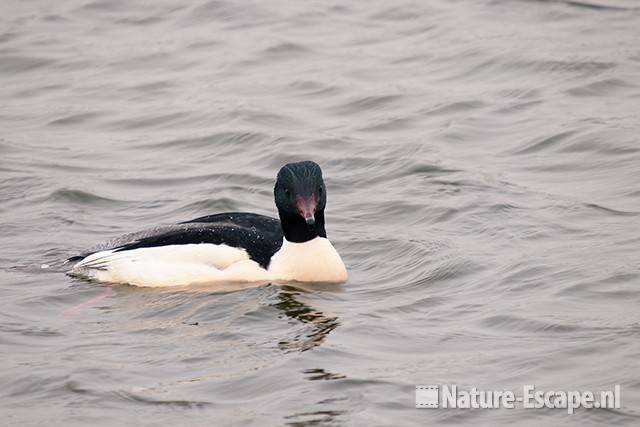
(259, 235)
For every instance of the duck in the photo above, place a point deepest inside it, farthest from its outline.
(229, 247)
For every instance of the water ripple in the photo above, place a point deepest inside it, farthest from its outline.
(481, 163)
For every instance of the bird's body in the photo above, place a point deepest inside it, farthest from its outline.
(228, 247)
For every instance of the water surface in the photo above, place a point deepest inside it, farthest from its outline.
(482, 164)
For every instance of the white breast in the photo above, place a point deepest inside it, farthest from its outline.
(312, 261)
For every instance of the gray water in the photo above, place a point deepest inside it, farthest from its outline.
(482, 166)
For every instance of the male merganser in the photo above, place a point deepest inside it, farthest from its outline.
(232, 247)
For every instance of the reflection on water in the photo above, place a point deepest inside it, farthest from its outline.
(307, 419)
(321, 374)
(317, 325)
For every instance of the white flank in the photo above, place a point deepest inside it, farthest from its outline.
(178, 265)
(171, 265)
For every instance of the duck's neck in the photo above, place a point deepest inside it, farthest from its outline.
(295, 228)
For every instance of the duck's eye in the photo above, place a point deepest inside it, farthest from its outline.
(287, 193)
(320, 190)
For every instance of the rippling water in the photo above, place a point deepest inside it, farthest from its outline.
(482, 164)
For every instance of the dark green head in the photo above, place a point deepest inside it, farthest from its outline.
(301, 197)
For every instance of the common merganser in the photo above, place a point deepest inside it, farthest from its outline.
(230, 247)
